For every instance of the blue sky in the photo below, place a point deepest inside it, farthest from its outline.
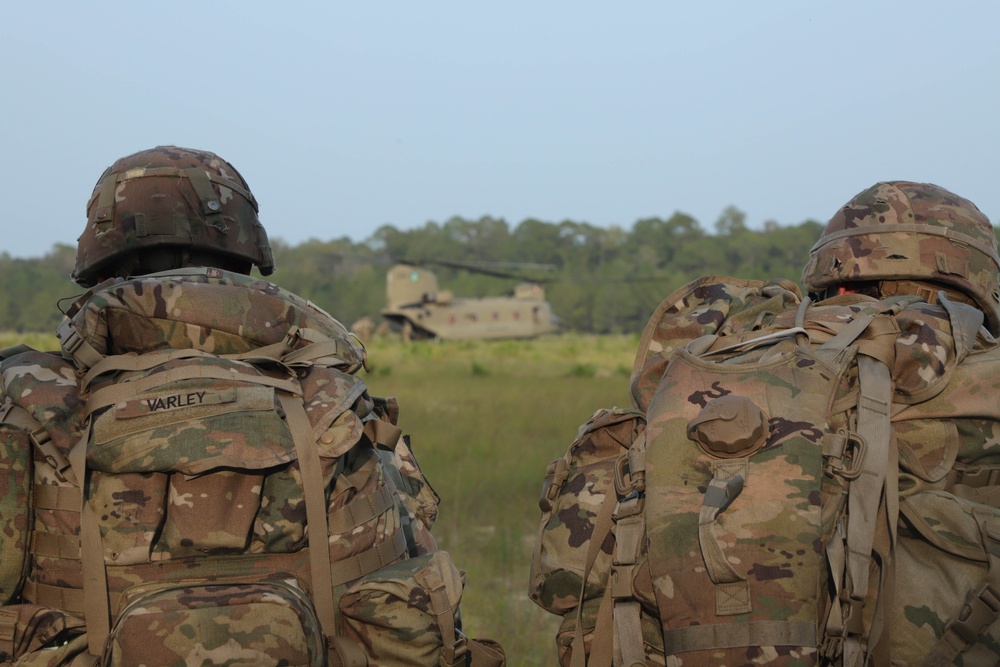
(347, 116)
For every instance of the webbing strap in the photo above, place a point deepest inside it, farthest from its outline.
(840, 342)
(115, 393)
(966, 321)
(369, 560)
(629, 646)
(836, 561)
(732, 590)
(360, 510)
(144, 172)
(601, 643)
(76, 346)
(52, 545)
(866, 491)
(453, 644)
(344, 652)
(747, 345)
(736, 635)
(211, 205)
(382, 433)
(317, 532)
(8, 630)
(603, 632)
(325, 349)
(52, 497)
(19, 416)
(105, 200)
(138, 362)
(97, 603)
(357, 478)
(55, 597)
(275, 352)
(879, 341)
(630, 531)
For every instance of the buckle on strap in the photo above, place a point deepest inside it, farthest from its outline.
(555, 477)
(624, 484)
(835, 461)
(982, 606)
(621, 581)
(629, 506)
(69, 337)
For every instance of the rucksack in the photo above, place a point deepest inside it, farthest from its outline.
(804, 484)
(201, 478)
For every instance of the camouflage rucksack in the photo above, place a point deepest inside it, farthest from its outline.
(167, 483)
(793, 470)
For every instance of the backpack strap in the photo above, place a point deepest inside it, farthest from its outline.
(630, 535)
(603, 631)
(966, 322)
(865, 516)
(97, 602)
(871, 483)
(19, 416)
(318, 529)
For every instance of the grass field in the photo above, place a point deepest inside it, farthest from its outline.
(485, 420)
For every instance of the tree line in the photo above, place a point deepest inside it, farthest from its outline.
(601, 280)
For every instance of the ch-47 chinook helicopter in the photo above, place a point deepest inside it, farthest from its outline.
(423, 310)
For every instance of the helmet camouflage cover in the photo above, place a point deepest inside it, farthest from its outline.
(904, 231)
(170, 200)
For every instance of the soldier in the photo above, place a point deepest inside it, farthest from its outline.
(202, 454)
(802, 481)
(899, 238)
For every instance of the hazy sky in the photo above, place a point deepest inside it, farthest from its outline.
(347, 116)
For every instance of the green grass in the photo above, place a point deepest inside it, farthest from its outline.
(485, 419)
(484, 441)
(39, 341)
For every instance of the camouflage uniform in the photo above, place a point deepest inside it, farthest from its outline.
(791, 467)
(200, 477)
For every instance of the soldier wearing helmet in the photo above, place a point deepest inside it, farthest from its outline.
(900, 237)
(167, 208)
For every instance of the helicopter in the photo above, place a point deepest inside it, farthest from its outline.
(421, 309)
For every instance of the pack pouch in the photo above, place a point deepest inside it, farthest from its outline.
(15, 489)
(36, 635)
(404, 615)
(652, 639)
(576, 488)
(171, 625)
(951, 546)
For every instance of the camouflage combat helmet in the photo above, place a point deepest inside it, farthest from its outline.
(169, 207)
(912, 238)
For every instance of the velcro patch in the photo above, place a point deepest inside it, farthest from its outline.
(148, 405)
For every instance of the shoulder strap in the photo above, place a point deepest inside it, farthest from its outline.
(867, 516)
